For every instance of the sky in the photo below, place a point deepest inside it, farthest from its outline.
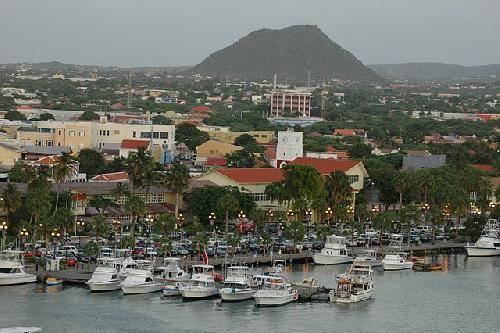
(131, 33)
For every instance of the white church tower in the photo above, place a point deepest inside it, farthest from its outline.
(289, 146)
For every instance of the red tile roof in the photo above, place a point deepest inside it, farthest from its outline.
(253, 175)
(134, 144)
(484, 167)
(201, 108)
(270, 153)
(216, 161)
(111, 177)
(344, 132)
(49, 160)
(325, 166)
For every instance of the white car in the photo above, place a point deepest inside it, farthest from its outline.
(70, 249)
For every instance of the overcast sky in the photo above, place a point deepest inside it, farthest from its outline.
(183, 32)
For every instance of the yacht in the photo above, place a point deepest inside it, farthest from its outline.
(104, 279)
(275, 292)
(354, 286)
(201, 285)
(334, 252)
(488, 244)
(395, 258)
(237, 285)
(172, 276)
(139, 281)
(369, 258)
(127, 265)
(12, 269)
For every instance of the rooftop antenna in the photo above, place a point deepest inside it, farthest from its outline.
(308, 79)
(129, 96)
(275, 78)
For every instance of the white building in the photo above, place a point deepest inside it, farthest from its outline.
(289, 146)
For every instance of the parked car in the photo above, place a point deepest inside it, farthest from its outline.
(71, 261)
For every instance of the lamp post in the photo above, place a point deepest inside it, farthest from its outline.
(24, 235)
(308, 215)
(211, 219)
(350, 212)
(55, 235)
(241, 218)
(180, 222)
(4, 228)
(289, 215)
(80, 225)
(116, 227)
(492, 207)
(329, 214)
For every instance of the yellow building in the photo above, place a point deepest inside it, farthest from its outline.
(213, 148)
(9, 154)
(223, 134)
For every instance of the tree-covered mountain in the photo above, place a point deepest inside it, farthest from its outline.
(422, 71)
(290, 53)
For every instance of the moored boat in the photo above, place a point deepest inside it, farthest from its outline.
(237, 285)
(395, 258)
(139, 281)
(354, 286)
(172, 276)
(201, 285)
(488, 244)
(12, 269)
(334, 252)
(275, 292)
(104, 279)
(369, 258)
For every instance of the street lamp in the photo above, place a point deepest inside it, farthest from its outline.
(55, 235)
(329, 214)
(24, 235)
(117, 226)
(180, 221)
(289, 214)
(308, 214)
(80, 225)
(4, 228)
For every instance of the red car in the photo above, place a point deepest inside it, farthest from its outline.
(28, 254)
(71, 261)
(138, 251)
(246, 227)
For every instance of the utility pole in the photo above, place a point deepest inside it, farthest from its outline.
(129, 97)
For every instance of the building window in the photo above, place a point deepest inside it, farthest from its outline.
(259, 196)
(133, 134)
(116, 132)
(145, 135)
(82, 133)
(353, 178)
(155, 135)
(107, 133)
(72, 133)
(163, 135)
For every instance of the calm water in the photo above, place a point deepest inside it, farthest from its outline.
(466, 298)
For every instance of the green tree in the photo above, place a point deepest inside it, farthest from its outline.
(11, 200)
(295, 231)
(39, 198)
(178, 180)
(164, 224)
(61, 172)
(241, 159)
(22, 172)
(100, 226)
(162, 120)
(89, 115)
(135, 207)
(191, 136)
(245, 139)
(359, 150)
(14, 115)
(339, 193)
(229, 204)
(91, 162)
(46, 116)
(140, 168)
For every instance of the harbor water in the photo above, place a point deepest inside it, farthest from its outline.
(465, 298)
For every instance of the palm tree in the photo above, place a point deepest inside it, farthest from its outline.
(99, 203)
(178, 180)
(135, 207)
(401, 184)
(228, 204)
(258, 216)
(11, 199)
(121, 190)
(39, 198)
(165, 224)
(60, 172)
(100, 226)
(140, 168)
(339, 192)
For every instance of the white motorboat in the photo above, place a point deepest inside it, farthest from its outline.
(201, 285)
(127, 265)
(172, 276)
(275, 292)
(21, 330)
(368, 257)
(140, 281)
(488, 244)
(104, 279)
(237, 285)
(354, 286)
(12, 269)
(334, 252)
(395, 258)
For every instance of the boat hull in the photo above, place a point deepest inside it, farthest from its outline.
(140, 289)
(351, 298)
(397, 266)
(473, 251)
(228, 295)
(199, 293)
(321, 259)
(371, 263)
(103, 286)
(170, 290)
(274, 300)
(13, 279)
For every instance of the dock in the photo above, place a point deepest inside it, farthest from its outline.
(83, 272)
